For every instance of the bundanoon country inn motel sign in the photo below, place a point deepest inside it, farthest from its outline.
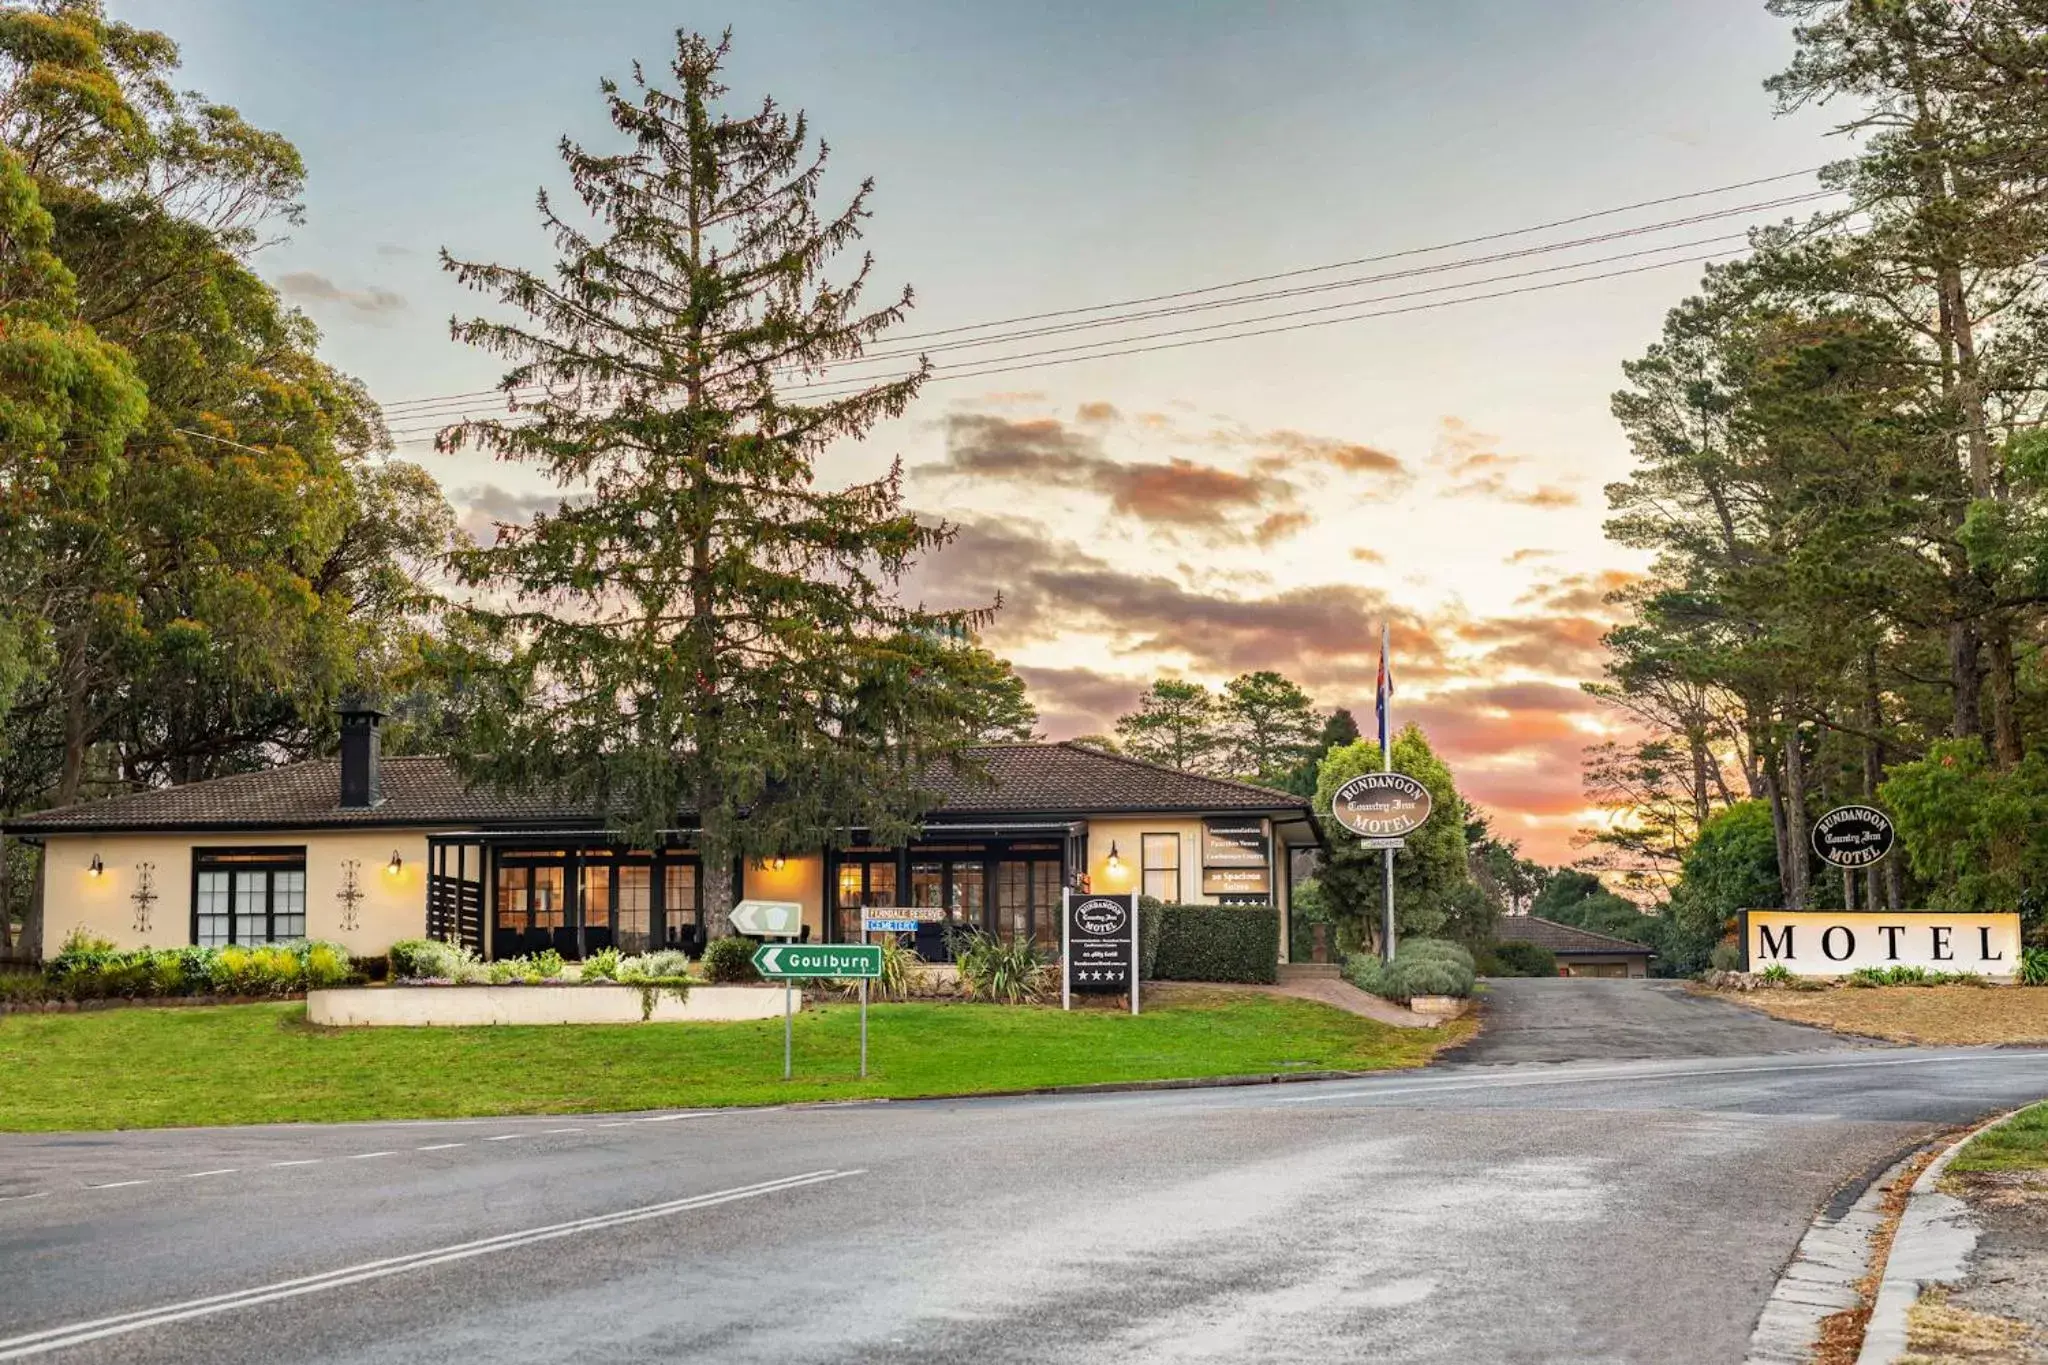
(1837, 942)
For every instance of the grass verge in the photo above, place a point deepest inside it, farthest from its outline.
(2018, 1144)
(144, 1068)
(1934, 1015)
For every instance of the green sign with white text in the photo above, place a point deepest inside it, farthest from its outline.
(783, 961)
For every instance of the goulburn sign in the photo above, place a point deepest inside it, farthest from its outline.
(1380, 805)
(1852, 836)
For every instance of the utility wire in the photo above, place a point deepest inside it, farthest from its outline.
(824, 392)
(413, 407)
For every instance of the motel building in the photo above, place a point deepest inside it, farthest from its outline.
(365, 850)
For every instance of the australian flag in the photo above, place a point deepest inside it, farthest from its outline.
(1382, 693)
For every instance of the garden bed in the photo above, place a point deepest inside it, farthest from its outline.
(1956, 1016)
(418, 1006)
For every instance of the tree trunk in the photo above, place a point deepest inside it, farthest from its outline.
(6, 899)
(1776, 796)
(1799, 882)
(32, 927)
(2006, 747)
(71, 777)
(1967, 718)
(714, 859)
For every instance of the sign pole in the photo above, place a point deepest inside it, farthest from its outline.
(1386, 710)
(1134, 961)
(863, 1004)
(788, 1014)
(1066, 949)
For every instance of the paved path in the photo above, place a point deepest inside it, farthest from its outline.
(1323, 990)
(1585, 1212)
(1563, 1019)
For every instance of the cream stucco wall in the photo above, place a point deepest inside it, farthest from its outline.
(394, 905)
(1123, 832)
(798, 879)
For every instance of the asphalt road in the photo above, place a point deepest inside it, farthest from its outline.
(1584, 1211)
(1560, 1019)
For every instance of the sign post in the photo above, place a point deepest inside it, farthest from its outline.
(790, 962)
(1098, 946)
(1382, 808)
(773, 919)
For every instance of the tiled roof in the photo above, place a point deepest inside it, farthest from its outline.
(1066, 777)
(1562, 939)
(1013, 779)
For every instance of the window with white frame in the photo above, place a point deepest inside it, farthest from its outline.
(1159, 856)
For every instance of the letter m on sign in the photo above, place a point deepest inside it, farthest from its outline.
(1767, 946)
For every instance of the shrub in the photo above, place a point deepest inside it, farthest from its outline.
(900, 968)
(1005, 969)
(670, 964)
(1151, 919)
(1215, 943)
(1777, 974)
(729, 960)
(429, 959)
(547, 965)
(1421, 966)
(324, 965)
(602, 965)
(2033, 967)
(1726, 957)
(1516, 958)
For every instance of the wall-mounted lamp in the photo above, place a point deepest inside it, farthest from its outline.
(1114, 864)
(395, 864)
(96, 867)
(777, 862)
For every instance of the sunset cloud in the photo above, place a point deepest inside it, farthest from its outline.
(1474, 467)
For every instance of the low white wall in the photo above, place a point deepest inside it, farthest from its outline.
(452, 1006)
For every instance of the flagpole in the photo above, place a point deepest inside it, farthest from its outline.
(1386, 709)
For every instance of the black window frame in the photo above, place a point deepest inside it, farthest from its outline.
(268, 859)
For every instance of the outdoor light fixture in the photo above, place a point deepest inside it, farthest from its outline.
(395, 863)
(97, 867)
(1115, 864)
(776, 862)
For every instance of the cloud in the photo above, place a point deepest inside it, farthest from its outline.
(484, 508)
(1474, 467)
(1526, 556)
(1279, 526)
(1294, 449)
(1584, 593)
(1176, 495)
(308, 287)
(1365, 556)
(393, 251)
(1562, 646)
(1326, 636)
(1096, 412)
(1079, 701)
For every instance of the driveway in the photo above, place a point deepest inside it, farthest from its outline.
(1571, 1019)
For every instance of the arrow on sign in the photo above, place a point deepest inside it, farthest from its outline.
(768, 919)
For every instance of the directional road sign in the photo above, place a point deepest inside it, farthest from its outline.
(882, 925)
(782, 961)
(768, 919)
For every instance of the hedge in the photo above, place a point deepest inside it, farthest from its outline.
(1211, 943)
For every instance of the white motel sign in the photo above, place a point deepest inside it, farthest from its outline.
(1837, 942)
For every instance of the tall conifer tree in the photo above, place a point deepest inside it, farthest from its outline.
(710, 632)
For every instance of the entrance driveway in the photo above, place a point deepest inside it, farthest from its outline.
(1571, 1019)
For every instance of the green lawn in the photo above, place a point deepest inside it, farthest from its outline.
(2019, 1145)
(150, 1068)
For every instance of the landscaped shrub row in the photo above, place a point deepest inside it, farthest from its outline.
(89, 968)
(1518, 958)
(427, 959)
(1421, 966)
(1209, 942)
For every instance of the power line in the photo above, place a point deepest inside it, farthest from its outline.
(824, 392)
(415, 407)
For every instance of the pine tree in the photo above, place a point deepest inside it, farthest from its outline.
(1268, 726)
(710, 632)
(1175, 724)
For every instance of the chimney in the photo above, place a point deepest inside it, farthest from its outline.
(359, 782)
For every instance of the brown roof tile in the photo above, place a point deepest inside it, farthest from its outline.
(1013, 779)
(1563, 939)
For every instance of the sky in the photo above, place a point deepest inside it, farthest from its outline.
(1195, 512)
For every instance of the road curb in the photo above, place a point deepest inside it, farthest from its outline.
(1822, 1278)
(1931, 1246)
(1109, 1087)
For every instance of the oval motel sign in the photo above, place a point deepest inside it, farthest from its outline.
(1380, 805)
(1853, 836)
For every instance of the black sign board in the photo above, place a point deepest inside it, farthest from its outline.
(1853, 836)
(1235, 842)
(1100, 933)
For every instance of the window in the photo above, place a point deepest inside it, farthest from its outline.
(636, 891)
(547, 898)
(1159, 855)
(512, 886)
(248, 895)
(1028, 901)
(682, 909)
(862, 882)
